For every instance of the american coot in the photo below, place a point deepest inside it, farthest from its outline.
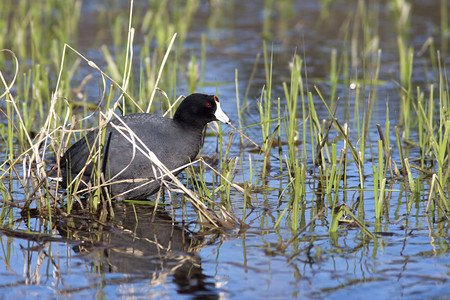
(175, 142)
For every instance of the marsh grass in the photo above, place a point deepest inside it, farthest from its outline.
(295, 143)
(310, 172)
(44, 195)
(417, 113)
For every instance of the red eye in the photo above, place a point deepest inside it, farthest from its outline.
(208, 105)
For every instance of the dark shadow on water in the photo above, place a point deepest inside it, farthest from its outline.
(144, 246)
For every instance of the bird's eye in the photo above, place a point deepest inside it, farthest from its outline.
(208, 105)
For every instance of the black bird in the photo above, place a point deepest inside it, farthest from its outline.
(127, 169)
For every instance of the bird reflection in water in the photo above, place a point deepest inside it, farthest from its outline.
(145, 245)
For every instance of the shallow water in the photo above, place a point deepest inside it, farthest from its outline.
(158, 255)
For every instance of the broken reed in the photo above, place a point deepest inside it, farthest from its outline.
(55, 114)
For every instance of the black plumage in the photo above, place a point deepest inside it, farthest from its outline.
(128, 171)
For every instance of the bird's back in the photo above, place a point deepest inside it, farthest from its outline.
(125, 153)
